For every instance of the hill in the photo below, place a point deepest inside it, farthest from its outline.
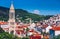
(21, 14)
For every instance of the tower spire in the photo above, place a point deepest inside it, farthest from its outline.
(12, 7)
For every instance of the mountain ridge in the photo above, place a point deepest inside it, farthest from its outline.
(4, 14)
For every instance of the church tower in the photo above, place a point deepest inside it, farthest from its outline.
(12, 13)
(12, 19)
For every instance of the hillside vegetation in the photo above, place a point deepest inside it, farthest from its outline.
(21, 14)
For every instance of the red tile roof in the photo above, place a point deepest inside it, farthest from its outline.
(35, 37)
(3, 22)
(31, 30)
(56, 28)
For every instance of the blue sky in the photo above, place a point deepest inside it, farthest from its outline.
(43, 7)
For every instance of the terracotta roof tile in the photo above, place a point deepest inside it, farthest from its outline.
(55, 28)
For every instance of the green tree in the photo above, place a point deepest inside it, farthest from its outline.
(56, 37)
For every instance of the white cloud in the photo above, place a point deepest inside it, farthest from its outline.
(36, 12)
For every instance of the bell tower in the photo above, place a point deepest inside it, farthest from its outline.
(12, 19)
(12, 13)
